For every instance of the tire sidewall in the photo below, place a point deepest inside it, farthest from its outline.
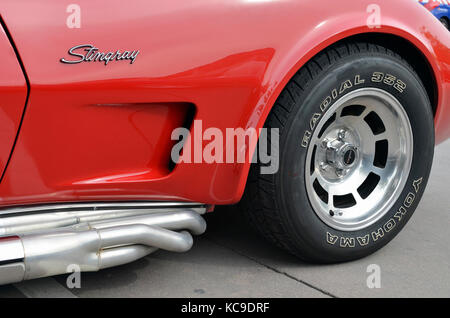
(302, 222)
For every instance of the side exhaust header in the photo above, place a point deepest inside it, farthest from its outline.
(47, 243)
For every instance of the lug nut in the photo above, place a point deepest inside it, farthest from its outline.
(341, 134)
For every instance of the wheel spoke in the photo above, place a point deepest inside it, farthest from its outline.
(330, 202)
(365, 112)
(357, 197)
(378, 171)
(382, 136)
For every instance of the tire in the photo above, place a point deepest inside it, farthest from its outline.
(445, 22)
(286, 209)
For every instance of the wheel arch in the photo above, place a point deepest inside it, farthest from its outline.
(419, 57)
(414, 50)
(412, 54)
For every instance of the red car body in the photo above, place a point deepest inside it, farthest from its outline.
(95, 132)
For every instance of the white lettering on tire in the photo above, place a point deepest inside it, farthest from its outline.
(349, 242)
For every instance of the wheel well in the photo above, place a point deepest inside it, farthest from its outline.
(410, 53)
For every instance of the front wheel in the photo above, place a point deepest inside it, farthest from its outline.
(356, 142)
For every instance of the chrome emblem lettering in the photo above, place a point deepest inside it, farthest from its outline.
(90, 53)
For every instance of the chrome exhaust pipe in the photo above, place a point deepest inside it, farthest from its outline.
(16, 220)
(36, 251)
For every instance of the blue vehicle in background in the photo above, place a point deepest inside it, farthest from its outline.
(440, 9)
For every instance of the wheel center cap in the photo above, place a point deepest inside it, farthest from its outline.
(349, 157)
(341, 155)
(337, 154)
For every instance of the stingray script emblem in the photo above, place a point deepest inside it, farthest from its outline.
(90, 53)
